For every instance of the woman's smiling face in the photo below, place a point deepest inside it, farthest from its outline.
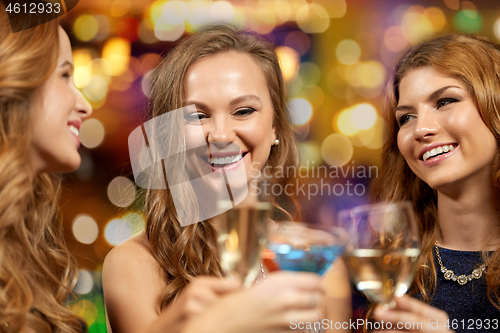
(55, 134)
(235, 112)
(442, 135)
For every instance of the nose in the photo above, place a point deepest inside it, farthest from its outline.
(426, 126)
(220, 131)
(82, 106)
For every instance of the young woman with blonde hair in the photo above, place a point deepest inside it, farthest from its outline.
(41, 111)
(235, 81)
(442, 154)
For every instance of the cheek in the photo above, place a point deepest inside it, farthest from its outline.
(404, 144)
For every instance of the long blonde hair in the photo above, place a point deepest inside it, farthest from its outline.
(475, 61)
(186, 252)
(37, 272)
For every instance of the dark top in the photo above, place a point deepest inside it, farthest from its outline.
(467, 305)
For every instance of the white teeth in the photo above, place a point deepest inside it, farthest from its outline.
(73, 130)
(436, 151)
(225, 160)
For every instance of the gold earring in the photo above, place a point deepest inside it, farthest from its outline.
(276, 142)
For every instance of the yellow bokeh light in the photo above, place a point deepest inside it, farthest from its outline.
(117, 52)
(83, 72)
(314, 95)
(92, 133)
(120, 7)
(363, 116)
(262, 21)
(345, 124)
(348, 52)
(312, 19)
(289, 62)
(336, 150)
(436, 17)
(309, 152)
(97, 89)
(416, 27)
(86, 310)
(334, 8)
(283, 10)
(370, 74)
(155, 12)
(168, 32)
(86, 27)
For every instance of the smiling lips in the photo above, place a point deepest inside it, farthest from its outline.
(436, 151)
(219, 160)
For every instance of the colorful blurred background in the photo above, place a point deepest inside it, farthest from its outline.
(336, 56)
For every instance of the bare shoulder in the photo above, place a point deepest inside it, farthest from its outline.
(133, 283)
(132, 255)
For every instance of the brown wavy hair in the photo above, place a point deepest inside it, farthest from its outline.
(475, 61)
(37, 272)
(190, 251)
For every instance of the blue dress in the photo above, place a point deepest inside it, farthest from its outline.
(467, 305)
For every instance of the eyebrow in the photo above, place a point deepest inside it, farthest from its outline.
(432, 97)
(237, 100)
(67, 62)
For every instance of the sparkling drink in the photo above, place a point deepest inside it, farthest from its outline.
(382, 274)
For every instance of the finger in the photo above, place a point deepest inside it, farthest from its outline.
(409, 304)
(298, 300)
(396, 317)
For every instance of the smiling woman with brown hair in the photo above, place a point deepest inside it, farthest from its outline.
(41, 111)
(443, 154)
(235, 81)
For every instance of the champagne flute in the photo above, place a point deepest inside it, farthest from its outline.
(305, 247)
(242, 235)
(383, 249)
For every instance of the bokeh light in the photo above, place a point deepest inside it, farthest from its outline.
(85, 229)
(363, 116)
(91, 133)
(120, 229)
(416, 27)
(312, 19)
(221, 12)
(309, 151)
(496, 28)
(300, 111)
(468, 21)
(117, 52)
(121, 192)
(298, 41)
(120, 7)
(348, 52)
(85, 282)
(310, 73)
(86, 27)
(85, 309)
(334, 8)
(289, 62)
(394, 39)
(336, 150)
